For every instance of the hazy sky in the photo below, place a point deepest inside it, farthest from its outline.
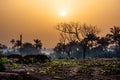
(37, 18)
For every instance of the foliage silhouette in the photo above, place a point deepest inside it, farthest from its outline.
(84, 35)
(38, 44)
(114, 36)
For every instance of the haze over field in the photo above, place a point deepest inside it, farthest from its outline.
(37, 18)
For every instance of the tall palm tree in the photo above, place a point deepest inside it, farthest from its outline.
(38, 44)
(17, 43)
(89, 42)
(115, 37)
(115, 33)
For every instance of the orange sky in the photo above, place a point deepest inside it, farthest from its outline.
(37, 18)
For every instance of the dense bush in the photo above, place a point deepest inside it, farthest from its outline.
(30, 60)
(42, 58)
(34, 59)
(14, 56)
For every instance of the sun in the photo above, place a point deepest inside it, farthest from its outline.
(63, 13)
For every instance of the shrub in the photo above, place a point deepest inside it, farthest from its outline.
(30, 60)
(4, 60)
(14, 65)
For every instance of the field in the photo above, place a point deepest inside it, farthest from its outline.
(64, 69)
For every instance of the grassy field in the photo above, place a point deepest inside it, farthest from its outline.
(63, 69)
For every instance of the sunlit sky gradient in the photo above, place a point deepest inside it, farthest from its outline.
(37, 18)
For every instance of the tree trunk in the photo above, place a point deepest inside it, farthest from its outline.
(69, 55)
(84, 53)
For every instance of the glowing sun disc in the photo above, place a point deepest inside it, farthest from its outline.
(63, 13)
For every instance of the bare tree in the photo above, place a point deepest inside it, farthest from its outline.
(84, 34)
(67, 36)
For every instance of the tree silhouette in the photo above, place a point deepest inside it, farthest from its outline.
(84, 34)
(38, 44)
(2, 46)
(28, 48)
(67, 36)
(17, 43)
(27, 45)
(59, 47)
(12, 41)
(103, 42)
(89, 42)
(115, 37)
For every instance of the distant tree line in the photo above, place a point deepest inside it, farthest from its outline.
(19, 43)
(74, 37)
(23, 47)
(26, 47)
(85, 37)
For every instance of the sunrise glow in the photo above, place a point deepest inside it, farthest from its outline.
(37, 18)
(63, 13)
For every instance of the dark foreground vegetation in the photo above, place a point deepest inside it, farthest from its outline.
(62, 69)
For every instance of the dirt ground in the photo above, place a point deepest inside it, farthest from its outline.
(61, 70)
